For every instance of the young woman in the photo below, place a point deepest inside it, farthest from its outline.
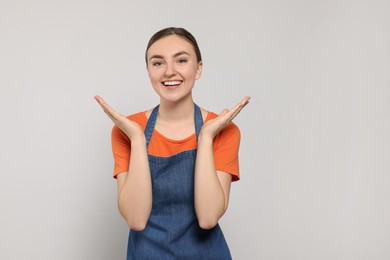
(174, 164)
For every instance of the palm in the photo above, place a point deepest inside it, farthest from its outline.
(130, 128)
(214, 126)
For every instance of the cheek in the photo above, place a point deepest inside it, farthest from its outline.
(153, 75)
(191, 73)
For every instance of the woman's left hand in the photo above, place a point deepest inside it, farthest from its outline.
(214, 126)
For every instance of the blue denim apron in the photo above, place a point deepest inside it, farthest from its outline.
(173, 231)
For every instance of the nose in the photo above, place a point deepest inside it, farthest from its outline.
(169, 70)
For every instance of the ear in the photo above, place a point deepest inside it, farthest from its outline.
(199, 70)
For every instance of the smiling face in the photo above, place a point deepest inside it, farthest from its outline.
(173, 68)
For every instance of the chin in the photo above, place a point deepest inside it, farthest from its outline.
(175, 98)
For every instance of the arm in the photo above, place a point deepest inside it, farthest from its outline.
(212, 188)
(134, 186)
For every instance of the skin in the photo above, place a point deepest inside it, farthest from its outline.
(172, 58)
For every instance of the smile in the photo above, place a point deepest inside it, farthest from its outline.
(172, 83)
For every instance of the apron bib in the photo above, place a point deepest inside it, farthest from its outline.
(172, 231)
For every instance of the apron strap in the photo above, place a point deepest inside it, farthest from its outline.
(198, 120)
(150, 125)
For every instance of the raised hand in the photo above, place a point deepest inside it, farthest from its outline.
(130, 128)
(214, 126)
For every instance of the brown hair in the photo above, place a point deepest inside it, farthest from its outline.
(181, 32)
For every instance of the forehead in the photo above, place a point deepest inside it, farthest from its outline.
(170, 45)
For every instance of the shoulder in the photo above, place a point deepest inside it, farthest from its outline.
(139, 117)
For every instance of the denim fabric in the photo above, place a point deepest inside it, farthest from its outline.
(172, 231)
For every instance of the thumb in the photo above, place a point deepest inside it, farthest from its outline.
(224, 112)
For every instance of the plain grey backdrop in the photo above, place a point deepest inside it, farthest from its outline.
(315, 151)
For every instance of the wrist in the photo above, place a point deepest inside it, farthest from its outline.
(205, 139)
(139, 141)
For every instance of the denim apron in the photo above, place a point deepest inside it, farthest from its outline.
(173, 231)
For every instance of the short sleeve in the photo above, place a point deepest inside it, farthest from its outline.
(121, 145)
(226, 146)
(121, 150)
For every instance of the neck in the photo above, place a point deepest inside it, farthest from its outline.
(176, 111)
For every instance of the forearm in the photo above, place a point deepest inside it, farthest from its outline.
(135, 195)
(210, 201)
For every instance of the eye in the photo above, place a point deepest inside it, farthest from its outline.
(156, 63)
(182, 60)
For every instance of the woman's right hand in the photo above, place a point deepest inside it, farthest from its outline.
(130, 128)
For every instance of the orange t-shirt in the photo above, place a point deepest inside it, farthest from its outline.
(225, 146)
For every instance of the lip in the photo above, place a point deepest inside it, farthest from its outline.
(171, 87)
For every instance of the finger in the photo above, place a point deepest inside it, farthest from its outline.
(224, 112)
(97, 98)
(100, 100)
(107, 109)
(227, 116)
(240, 108)
(105, 106)
(234, 114)
(237, 109)
(245, 100)
(240, 104)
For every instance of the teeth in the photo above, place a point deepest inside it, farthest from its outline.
(172, 83)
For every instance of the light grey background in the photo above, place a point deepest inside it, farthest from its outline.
(315, 154)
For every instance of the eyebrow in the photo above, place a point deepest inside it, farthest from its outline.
(175, 55)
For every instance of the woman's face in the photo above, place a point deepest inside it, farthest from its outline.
(173, 68)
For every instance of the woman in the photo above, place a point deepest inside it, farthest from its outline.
(174, 164)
